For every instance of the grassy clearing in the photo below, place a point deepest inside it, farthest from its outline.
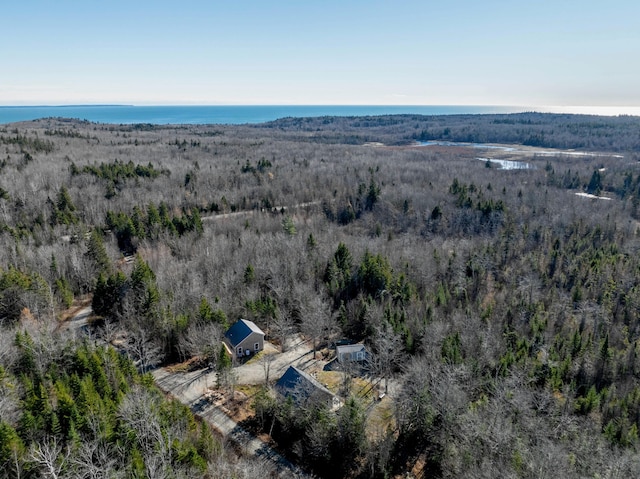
(381, 419)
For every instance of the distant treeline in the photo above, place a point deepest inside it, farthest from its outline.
(549, 130)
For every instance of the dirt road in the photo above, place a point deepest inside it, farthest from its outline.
(274, 209)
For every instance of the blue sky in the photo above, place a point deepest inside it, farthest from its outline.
(491, 52)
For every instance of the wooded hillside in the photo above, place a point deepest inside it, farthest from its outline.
(501, 305)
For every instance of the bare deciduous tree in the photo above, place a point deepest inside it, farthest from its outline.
(266, 360)
(282, 327)
(143, 348)
(202, 340)
(317, 320)
(387, 349)
(50, 456)
(96, 459)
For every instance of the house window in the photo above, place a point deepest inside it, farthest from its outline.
(239, 350)
(360, 356)
(256, 346)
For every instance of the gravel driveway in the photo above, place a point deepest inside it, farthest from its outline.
(299, 353)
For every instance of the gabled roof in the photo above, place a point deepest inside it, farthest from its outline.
(350, 348)
(239, 331)
(301, 387)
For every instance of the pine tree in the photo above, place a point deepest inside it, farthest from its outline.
(144, 288)
(288, 227)
(98, 253)
(64, 209)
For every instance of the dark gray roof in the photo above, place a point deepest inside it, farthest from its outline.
(240, 330)
(301, 387)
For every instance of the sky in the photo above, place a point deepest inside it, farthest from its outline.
(405, 52)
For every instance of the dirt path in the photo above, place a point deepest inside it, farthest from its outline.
(76, 318)
(274, 209)
(79, 320)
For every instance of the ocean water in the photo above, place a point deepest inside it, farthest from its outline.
(164, 115)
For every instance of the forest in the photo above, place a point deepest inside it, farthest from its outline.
(501, 305)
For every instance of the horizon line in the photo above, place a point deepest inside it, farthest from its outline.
(56, 105)
(594, 110)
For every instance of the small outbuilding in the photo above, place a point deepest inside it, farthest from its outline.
(304, 389)
(351, 353)
(244, 338)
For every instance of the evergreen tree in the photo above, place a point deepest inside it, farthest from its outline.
(288, 227)
(98, 253)
(595, 184)
(144, 288)
(109, 293)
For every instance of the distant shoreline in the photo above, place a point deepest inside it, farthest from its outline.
(228, 114)
(97, 105)
(257, 114)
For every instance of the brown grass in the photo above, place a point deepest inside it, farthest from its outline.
(332, 380)
(381, 419)
(76, 306)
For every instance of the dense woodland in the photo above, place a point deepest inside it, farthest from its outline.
(503, 307)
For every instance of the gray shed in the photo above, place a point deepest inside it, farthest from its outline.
(351, 352)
